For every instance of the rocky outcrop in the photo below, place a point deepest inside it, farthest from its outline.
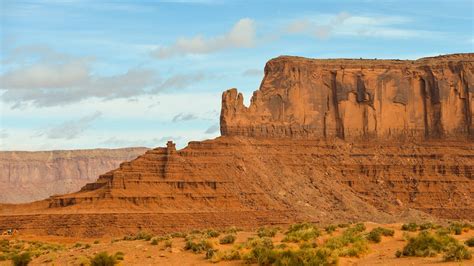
(30, 176)
(323, 140)
(357, 99)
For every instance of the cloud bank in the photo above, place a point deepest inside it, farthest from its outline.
(242, 35)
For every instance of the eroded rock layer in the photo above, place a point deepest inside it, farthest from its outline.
(273, 163)
(354, 99)
(29, 176)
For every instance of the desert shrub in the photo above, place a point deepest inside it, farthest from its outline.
(103, 259)
(212, 233)
(259, 242)
(456, 228)
(330, 228)
(426, 244)
(22, 259)
(86, 246)
(343, 225)
(376, 234)
(232, 230)
(412, 227)
(308, 245)
(267, 231)
(119, 255)
(360, 227)
(198, 246)
(350, 244)
(232, 254)
(227, 239)
(426, 226)
(77, 245)
(154, 241)
(470, 242)
(301, 232)
(178, 235)
(168, 243)
(96, 242)
(310, 256)
(457, 252)
(142, 235)
(262, 255)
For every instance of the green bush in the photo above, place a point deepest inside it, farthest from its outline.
(231, 254)
(168, 243)
(425, 244)
(457, 252)
(412, 227)
(227, 239)
(22, 259)
(119, 255)
(350, 244)
(301, 232)
(267, 231)
(212, 233)
(376, 234)
(426, 226)
(470, 242)
(103, 259)
(178, 235)
(198, 246)
(330, 229)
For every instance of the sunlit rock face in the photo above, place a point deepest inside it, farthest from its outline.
(357, 99)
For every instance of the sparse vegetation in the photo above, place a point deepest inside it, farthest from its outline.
(267, 231)
(21, 259)
(376, 234)
(103, 259)
(330, 229)
(139, 236)
(119, 255)
(212, 233)
(228, 239)
(412, 227)
(198, 246)
(301, 232)
(457, 252)
(154, 241)
(470, 242)
(426, 244)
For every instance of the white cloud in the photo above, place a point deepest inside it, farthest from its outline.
(345, 24)
(70, 129)
(242, 35)
(213, 129)
(184, 117)
(58, 79)
(252, 72)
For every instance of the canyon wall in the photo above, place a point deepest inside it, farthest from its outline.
(357, 99)
(326, 141)
(30, 176)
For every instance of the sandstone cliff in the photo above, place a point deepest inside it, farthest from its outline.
(30, 176)
(353, 99)
(323, 140)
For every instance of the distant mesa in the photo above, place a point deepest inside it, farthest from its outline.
(322, 140)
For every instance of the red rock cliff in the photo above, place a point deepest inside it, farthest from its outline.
(28, 176)
(352, 98)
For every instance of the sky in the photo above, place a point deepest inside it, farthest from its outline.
(80, 74)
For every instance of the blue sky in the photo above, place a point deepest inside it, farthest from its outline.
(85, 74)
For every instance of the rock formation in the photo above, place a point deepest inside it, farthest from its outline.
(322, 140)
(30, 176)
(357, 99)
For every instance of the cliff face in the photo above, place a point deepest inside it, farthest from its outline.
(286, 157)
(30, 176)
(353, 99)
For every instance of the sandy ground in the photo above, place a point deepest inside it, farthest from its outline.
(141, 252)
